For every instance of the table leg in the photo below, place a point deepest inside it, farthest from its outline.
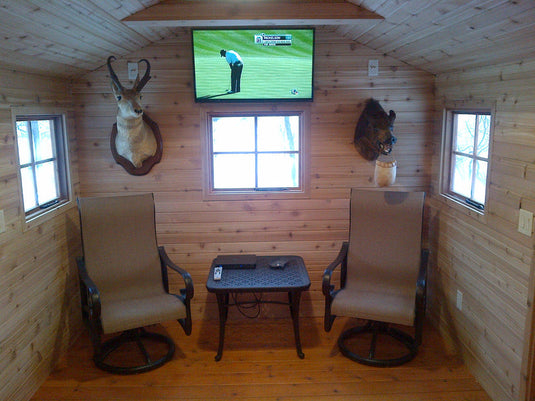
(294, 298)
(222, 303)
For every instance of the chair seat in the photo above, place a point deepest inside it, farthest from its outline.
(380, 306)
(121, 315)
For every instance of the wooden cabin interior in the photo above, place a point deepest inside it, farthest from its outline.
(432, 56)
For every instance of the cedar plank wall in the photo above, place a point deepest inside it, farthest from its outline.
(39, 297)
(486, 258)
(195, 231)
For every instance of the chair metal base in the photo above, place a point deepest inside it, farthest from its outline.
(377, 329)
(139, 336)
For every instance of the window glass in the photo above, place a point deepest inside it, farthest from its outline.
(462, 175)
(278, 170)
(23, 142)
(464, 138)
(45, 175)
(278, 133)
(480, 183)
(233, 134)
(28, 188)
(483, 134)
(234, 171)
(42, 140)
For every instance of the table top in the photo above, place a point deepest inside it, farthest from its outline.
(262, 278)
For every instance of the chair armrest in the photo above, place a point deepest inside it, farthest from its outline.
(421, 284)
(167, 262)
(90, 296)
(421, 295)
(327, 287)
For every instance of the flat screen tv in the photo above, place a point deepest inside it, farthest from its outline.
(253, 64)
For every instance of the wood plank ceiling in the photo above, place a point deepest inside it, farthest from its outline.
(72, 37)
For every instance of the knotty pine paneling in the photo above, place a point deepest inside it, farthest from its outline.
(39, 297)
(193, 230)
(484, 256)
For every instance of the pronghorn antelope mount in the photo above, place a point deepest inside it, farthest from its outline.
(137, 138)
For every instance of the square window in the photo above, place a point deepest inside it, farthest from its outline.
(41, 148)
(466, 156)
(255, 152)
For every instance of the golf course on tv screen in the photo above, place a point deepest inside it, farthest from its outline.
(277, 64)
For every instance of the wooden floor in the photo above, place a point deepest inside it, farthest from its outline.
(260, 363)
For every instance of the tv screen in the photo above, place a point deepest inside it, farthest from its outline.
(250, 64)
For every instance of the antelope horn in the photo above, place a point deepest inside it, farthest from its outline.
(145, 78)
(113, 76)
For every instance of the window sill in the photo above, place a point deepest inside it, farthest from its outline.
(254, 195)
(37, 218)
(465, 208)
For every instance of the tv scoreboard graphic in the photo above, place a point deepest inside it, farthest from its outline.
(273, 40)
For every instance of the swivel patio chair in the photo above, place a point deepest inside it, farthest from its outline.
(382, 278)
(124, 283)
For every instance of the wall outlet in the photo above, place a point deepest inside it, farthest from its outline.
(373, 68)
(2, 222)
(459, 301)
(525, 222)
(132, 71)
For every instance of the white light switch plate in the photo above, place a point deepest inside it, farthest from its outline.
(373, 68)
(459, 300)
(525, 222)
(2, 222)
(132, 71)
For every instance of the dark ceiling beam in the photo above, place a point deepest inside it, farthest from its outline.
(174, 13)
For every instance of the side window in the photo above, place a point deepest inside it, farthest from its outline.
(42, 156)
(251, 153)
(465, 159)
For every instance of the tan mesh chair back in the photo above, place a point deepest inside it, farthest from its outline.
(120, 249)
(384, 248)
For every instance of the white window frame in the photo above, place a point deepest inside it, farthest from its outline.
(209, 193)
(448, 153)
(48, 210)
